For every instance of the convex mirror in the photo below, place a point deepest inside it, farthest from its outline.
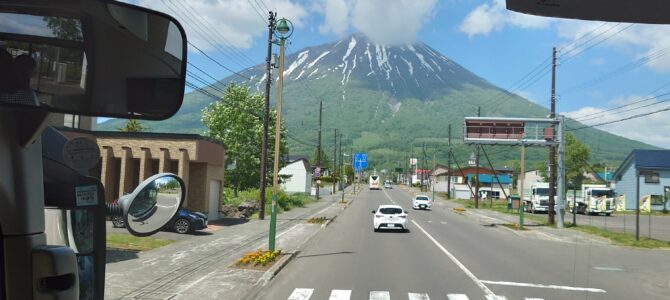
(91, 57)
(153, 203)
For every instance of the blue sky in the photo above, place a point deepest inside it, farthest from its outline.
(599, 63)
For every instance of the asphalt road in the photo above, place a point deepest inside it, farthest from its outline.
(450, 256)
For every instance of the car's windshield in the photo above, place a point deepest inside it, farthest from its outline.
(600, 193)
(390, 210)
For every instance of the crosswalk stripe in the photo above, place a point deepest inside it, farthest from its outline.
(495, 297)
(457, 297)
(533, 298)
(417, 296)
(340, 295)
(380, 295)
(301, 294)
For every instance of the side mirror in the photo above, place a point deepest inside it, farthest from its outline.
(374, 211)
(94, 57)
(153, 204)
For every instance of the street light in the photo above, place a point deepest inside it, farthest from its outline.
(282, 31)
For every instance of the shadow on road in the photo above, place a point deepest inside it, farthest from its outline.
(116, 255)
(325, 254)
(229, 221)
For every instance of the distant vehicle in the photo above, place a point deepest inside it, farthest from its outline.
(185, 221)
(389, 217)
(538, 198)
(421, 202)
(388, 185)
(596, 199)
(374, 182)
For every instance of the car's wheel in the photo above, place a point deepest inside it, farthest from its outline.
(117, 222)
(607, 214)
(182, 226)
(376, 229)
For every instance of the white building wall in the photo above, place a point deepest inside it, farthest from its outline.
(300, 180)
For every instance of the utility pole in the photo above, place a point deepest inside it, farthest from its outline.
(266, 120)
(341, 168)
(552, 149)
(449, 165)
(318, 153)
(477, 168)
(406, 167)
(411, 181)
(333, 177)
(432, 184)
(423, 166)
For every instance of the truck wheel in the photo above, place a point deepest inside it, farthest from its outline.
(607, 214)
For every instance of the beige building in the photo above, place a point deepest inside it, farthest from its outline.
(129, 158)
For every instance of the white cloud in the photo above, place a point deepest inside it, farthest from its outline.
(527, 95)
(640, 40)
(382, 21)
(227, 23)
(493, 16)
(653, 129)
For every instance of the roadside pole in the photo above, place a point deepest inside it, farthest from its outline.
(449, 166)
(561, 172)
(318, 154)
(522, 177)
(266, 121)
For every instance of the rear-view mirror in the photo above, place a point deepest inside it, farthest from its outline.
(153, 204)
(94, 57)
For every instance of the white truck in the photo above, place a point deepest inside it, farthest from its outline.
(537, 197)
(596, 199)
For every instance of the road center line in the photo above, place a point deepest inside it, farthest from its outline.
(545, 286)
(453, 258)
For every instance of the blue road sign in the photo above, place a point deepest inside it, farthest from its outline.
(360, 161)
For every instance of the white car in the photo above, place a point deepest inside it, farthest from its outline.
(421, 202)
(389, 217)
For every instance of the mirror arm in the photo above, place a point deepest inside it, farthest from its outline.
(114, 209)
(33, 122)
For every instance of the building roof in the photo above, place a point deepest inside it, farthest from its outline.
(305, 162)
(488, 178)
(645, 159)
(143, 135)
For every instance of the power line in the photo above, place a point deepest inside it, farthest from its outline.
(602, 113)
(264, 6)
(591, 39)
(257, 11)
(218, 63)
(621, 120)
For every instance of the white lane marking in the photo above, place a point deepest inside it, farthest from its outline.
(495, 297)
(611, 269)
(453, 258)
(533, 298)
(443, 223)
(340, 295)
(429, 221)
(380, 295)
(457, 297)
(301, 294)
(545, 286)
(417, 296)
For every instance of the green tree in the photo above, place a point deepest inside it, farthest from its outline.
(576, 156)
(325, 161)
(236, 121)
(133, 125)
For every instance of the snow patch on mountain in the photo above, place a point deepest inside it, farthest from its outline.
(295, 64)
(317, 59)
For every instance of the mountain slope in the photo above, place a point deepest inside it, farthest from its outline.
(386, 100)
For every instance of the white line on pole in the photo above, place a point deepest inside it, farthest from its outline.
(453, 258)
(545, 286)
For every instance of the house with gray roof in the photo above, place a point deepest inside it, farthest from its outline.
(652, 170)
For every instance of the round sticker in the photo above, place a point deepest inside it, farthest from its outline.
(81, 153)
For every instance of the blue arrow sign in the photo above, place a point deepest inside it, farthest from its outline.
(360, 161)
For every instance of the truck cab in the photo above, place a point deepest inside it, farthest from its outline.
(538, 198)
(596, 199)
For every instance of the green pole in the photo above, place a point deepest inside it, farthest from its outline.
(273, 222)
(521, 210)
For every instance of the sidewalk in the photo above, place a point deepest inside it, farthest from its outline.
(201, 269)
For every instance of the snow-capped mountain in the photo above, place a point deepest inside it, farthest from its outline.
(409, 71)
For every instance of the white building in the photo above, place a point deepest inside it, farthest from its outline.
(296, 176)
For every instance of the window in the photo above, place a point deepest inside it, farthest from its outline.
(390, 211)
(651, 177)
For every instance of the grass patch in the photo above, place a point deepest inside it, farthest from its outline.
(317, 220)
(622, 239)
(501, 207)
(131, 242)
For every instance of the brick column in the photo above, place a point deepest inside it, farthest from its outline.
(183, 169)
(164, 161)
(145, 164)
(106, 172)
(125, 174)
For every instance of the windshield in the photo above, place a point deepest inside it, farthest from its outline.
(289, 115)
(542, 191)
(600, 193)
